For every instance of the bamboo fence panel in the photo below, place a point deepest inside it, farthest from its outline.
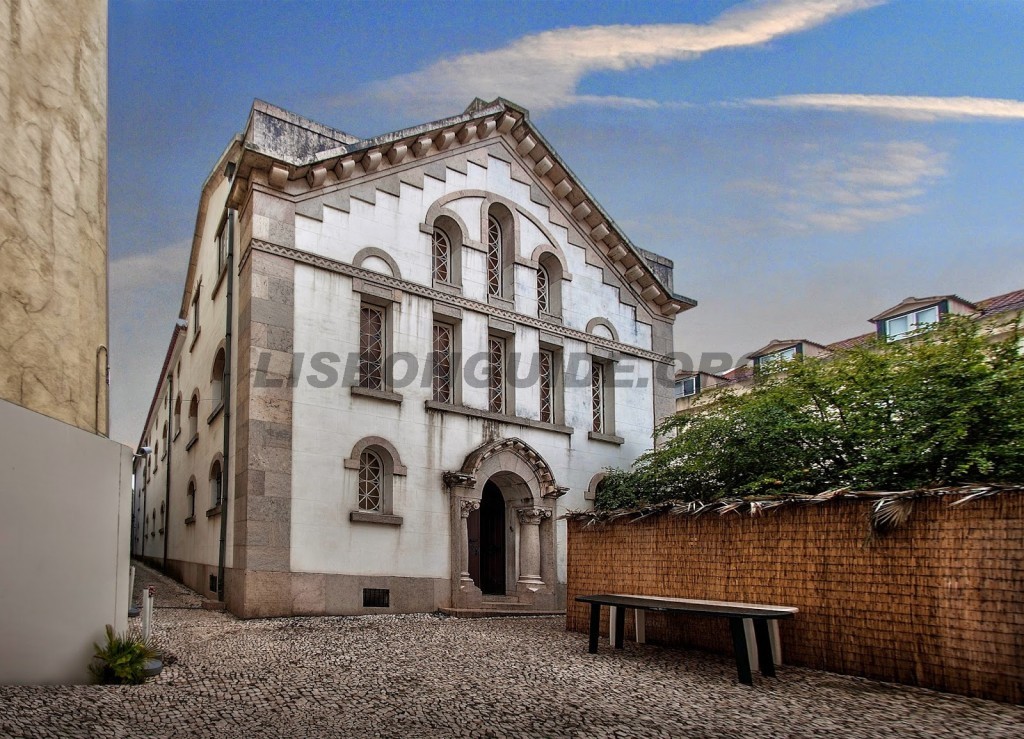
(937, 603)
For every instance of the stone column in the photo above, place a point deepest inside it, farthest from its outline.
(529, 545)
(466, 506)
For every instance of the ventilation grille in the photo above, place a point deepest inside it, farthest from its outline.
(376, 598)
(213, 583)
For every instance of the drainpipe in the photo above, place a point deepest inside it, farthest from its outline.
(226, 384)
(167, 449)
(102, 370)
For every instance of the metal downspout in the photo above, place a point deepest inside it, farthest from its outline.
(225, 461)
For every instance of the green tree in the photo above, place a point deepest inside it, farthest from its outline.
(943, 407)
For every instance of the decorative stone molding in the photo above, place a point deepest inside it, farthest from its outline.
(332, 265)
(555, 493)
(316, 176)
(277, 176)
(458, 480)
(533, 516)
(467, 506)
(599, 321)
(352, 463)
(373, 251)
(524, 451)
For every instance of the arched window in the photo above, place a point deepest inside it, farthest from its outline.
(495, 265)
(217, 378)
(543, 290)
(191, 502)
(193, 418)
(550, 274)
(376, 464)
(371, 481)
(216, 484)
(499, 238)
(442, 249)
(177, 416)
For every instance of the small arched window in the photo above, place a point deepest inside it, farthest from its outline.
(193, 417)
(376, 464)
(217, 378)
(371, 481)
(177, 416)
(216, 484)
(191, 499)
(543, 290)
(494, 257)
(442, 249)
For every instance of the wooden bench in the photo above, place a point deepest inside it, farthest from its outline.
(743, 618)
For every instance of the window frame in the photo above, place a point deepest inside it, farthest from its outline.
(377, 378)
(914, 324)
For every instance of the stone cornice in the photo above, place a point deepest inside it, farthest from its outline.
(500, 120)
(461, 301)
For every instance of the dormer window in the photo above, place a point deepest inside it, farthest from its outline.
(687, 386)
(903, 326)
(770, 362)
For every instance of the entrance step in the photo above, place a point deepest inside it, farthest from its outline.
(496, 611)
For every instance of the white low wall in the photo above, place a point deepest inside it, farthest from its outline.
(65, 521)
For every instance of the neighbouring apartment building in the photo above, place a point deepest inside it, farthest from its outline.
(398, 361)
(65, 488)
(1000, 314)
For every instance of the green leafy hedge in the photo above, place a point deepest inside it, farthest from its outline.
(941, 408)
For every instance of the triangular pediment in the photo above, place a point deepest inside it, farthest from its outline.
(337, 171)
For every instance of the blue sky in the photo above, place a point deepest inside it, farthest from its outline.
(806, 163)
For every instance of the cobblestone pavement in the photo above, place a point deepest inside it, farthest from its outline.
(424, 675)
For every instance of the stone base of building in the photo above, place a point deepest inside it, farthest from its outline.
(266, 594)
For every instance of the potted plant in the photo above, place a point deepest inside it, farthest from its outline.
(125, 659)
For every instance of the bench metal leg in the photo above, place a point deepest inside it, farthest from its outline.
(612, 612)
(595, 626)
(765, 658)
(620, 627)
(739, 647)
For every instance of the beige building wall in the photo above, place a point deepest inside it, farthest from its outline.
(53, 209)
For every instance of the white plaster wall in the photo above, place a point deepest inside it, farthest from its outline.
(393, 225)
(328, 421)
(65, 523)
(191, 365)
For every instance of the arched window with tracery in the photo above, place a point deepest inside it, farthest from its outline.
(216, 484)
(371, 481)
(442, 249)
(193, 417)
(494, 256)
(543, 290)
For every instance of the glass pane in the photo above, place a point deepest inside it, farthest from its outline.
(543, 290)
(496, 374)
(371, 347)
(371, 476)
(442, 256)
(597, 396)
(442, 382)
(493, 257)
(929, 315)
(896, 328)
(546, 385)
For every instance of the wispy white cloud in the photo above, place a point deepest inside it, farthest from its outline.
(906, 107)
(847, 192)
(543, 71)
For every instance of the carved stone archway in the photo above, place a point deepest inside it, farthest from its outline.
(529, 489)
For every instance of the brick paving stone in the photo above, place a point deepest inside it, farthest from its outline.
(427, 675)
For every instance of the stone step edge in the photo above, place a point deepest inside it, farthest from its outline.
(495, 612)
